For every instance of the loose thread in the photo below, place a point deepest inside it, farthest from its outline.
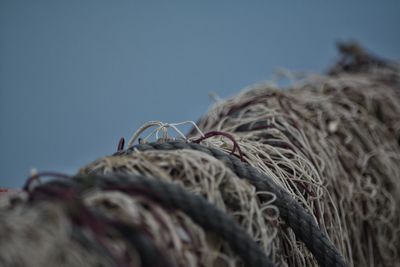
(37, 176)
(121, 144)
(227, 135)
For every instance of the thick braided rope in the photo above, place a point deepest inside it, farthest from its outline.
(295, 216)
(173, 196)
(82, 217)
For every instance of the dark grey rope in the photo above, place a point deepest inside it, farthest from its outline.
(68, 193)
(175, 197)
(295, 216)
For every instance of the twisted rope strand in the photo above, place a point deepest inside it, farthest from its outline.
(295, 216)
(173, 196)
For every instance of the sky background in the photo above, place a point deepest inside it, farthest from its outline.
(75, 76)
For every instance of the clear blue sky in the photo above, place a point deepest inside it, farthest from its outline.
(75, 76)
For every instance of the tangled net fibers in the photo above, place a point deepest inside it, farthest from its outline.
(305, 176)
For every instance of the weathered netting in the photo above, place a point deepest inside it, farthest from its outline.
(330, 142)
(202, 174)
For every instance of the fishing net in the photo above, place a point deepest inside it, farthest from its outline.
(301, 176)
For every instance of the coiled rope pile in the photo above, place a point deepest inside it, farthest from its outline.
(307, 176)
